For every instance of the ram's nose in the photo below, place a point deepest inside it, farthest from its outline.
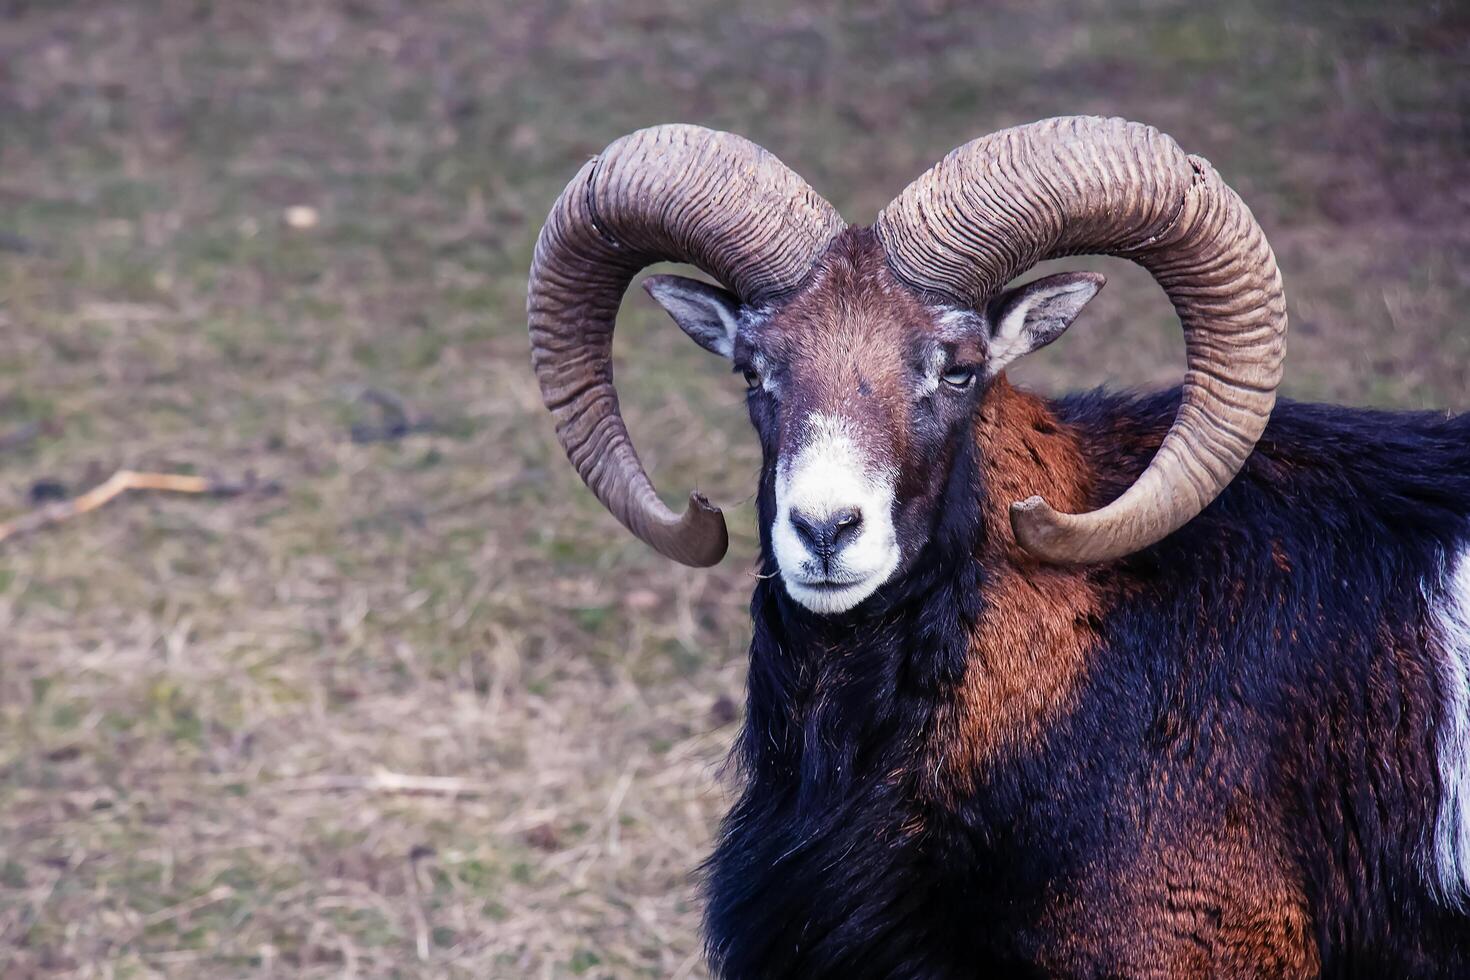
(826, 535)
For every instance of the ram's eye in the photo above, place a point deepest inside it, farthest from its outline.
(958, 377)
(752, 380)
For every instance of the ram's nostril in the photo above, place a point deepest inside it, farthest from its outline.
(809, 530)
(825, 536)
(846, 523)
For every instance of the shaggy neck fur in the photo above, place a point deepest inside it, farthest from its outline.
(867, 728)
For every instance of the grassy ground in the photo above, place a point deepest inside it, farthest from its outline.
(199, 698)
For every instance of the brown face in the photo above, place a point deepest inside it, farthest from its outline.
(861, 394)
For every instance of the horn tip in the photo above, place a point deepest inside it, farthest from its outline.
(702, 538)
(1040, 530)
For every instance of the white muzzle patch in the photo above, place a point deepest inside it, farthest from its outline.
(826, 477)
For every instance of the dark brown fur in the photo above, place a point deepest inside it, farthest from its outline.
(846, 344)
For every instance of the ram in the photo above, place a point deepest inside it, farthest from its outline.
(1111, 685)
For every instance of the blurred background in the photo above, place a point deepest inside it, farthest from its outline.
(414, 704)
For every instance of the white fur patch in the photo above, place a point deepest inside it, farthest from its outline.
(953, 320)
(763, 371)
(1448, 864)
(754, 317)
(829, 474)
(929, 380)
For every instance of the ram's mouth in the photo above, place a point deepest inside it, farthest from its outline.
(828, 596)
(829, 585)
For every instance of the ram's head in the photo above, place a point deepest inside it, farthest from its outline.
(866, 350)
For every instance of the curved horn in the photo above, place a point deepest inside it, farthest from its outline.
(1081, 184)
(668, 193)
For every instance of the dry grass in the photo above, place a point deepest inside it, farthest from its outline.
(428, 711)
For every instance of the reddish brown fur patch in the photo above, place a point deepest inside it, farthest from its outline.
(1035, 634)
(1221, 903)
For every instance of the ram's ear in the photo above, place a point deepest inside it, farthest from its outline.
(707, 313)
(1029, 317)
